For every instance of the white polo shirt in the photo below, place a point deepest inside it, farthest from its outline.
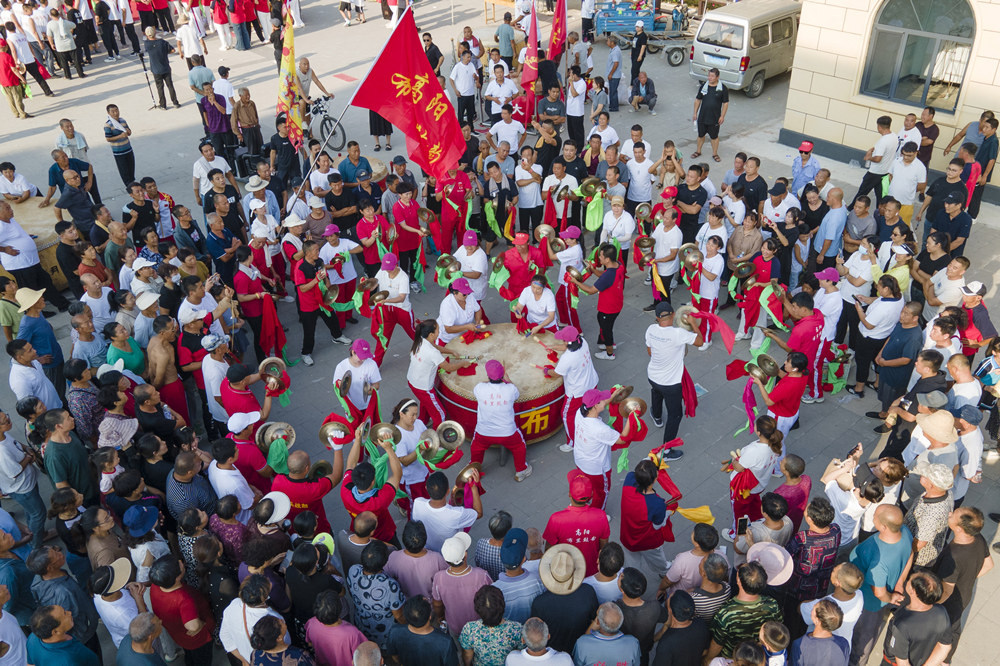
(368, 372)
(592, 443)
(667, 343)
(577, 370)
(495, 409)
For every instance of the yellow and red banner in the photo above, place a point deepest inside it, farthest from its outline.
(402, 88)
(289, 92)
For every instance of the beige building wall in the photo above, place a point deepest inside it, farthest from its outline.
(824, 101)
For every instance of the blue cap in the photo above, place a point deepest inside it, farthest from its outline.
(515, 545)
(969, 413)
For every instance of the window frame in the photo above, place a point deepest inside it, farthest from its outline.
(905, 34)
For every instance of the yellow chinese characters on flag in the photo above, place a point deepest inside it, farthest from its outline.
(289, 92)
(402, 88)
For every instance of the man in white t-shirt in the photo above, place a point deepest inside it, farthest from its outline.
(442, 520)
(576, 100)
(213, 371)
(668, 238)
(709, 280)
(665, 345)
(641, 173)
(499, 92)
(618, 226)
(576, 367)
(464, 80)
(507, 129)
(775, 206)
(909, 178)
(528, 177)
(360, 363)
(848, 502)
(495, 423)
(536, 635)
(909, 132)
(222, 472)
(556, 181)
(459, 313)
(593, 440)
(208, 161)
(475, 266)
(944, 288)
(635, 137)
(829, 302)
(881, 157)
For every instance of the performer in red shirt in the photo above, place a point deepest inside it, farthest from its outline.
(784, 400)
(610, 284)
(807, 331)
(250, 460)
(411, 234)
(523, 261)
(580, 524)
(359, 493)
(237, 398)
(451, 192)
(645, 525)
(306, 494)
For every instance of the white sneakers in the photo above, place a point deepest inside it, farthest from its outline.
(287, 298)
(705, 346)
(604, 356)
(307, 359)
(342, 340)
(565, 448)
(523, 474)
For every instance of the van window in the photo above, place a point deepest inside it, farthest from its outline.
(759, 37)
(718, 33)
(781, 30)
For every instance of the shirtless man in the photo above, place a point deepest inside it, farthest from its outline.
(307, 77)
(162, 365)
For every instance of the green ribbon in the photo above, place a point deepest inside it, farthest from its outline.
(380, 331)
(284, 357)
(491, 218)
(733, 282)
(431, 463)
(837, 383)
(499, 278)
(622, 463)
(764, 296)
(594, 217)
(380, 461)
(746, 426)
(418, 268)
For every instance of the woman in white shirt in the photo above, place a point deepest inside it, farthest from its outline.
(404, 417)
(619, 225)
(117, 607)
(425, 359)
(537, 303)
(758, 458)
(144, 543)
(460, 312)
(876, 323)
(572, 256)
(609, 137)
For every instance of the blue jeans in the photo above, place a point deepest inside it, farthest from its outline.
(242, 36)
(613, 93)
(34, 510)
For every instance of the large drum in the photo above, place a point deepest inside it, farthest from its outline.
(40, 223)
(539, 409)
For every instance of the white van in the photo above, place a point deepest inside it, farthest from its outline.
(748, 42)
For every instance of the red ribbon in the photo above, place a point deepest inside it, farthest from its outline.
(719, 326)
(467, 371)
(688, 394)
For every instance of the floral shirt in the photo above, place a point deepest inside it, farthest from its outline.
(814, 556)
(375, 597)
(186, 545)
(491, 645)
(148, 254)
(85, 410)
(231, 536)
(291, 656)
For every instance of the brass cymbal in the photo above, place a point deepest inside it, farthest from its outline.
(333, 429)
(426, 215)
(345, 384)
(544, 231)
(643, 211)
(451, 435)
(756, 372)
(632, 404)
(497, 263)
(429, 443)
(590, 185)
(694, 257)
(621, 393)
(319, 469)
(679, 319)
(444, 260)
(574, 273)
(744, 270)
(466, 474)
(768, 365)
(384, 431)
(377, 298)
(645, 243)
(332, 292)
(367, 285)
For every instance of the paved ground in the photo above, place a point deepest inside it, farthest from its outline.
(165, 144)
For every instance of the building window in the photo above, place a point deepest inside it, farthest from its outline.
(919, 52)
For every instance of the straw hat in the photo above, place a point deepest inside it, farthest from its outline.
(939, 426)
(562, 569)
(26, 297)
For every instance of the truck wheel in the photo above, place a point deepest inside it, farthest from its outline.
(756, 86)
(675, 57)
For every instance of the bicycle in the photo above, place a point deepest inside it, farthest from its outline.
(319, 112)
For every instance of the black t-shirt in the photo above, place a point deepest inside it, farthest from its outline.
(639, 42)
(548, 73)
(232, 219)
(375, 196)
(697, 196)
(303, 590)
(932, 266)
(545, 153)
(156, 423)
(345, 199)
(68, 261)
(170, 299)
(148, 216)
(711, 103)
(433, 54)
(286, 161)
(813, 217)
(754, 191)
(940, 189)
(912, 635)
(433, 649)
(98, 236)
(578, 169)
(469, 156)
(155, 474)
(567, 615)
(641, 621)
(960, 564)
(683, 646)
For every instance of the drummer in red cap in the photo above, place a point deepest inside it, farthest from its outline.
(523, 262)
(579, 376)
(397, 309)
(460, 312)
(495, 423)
(592, 442)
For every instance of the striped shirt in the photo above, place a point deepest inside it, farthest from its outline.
(120, 144)
(707, 604)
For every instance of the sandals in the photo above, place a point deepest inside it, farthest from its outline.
(377, 148)
(388, 147)
(854, 391)
(716, 158)
(695, 155)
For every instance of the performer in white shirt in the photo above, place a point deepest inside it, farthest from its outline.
(828, 301)
(618, 228)
(363, 369)
(572, 256)
(579, 376)
(593, 441)
(396, 309)
(425, 359)
(537, 304)
(495, 423)
(710, 278)
(460, 312)
(475, 266)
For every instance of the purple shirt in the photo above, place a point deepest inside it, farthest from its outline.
(415, 574)
(217, 121)
(457, 594)
(334, 645)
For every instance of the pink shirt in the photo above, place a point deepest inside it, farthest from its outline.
(457, 594)
(415, 574)
(684, 571)
(797, 498)
(334, 645)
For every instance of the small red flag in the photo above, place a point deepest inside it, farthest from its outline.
(529, 74)
(402, 88)
(557, 40)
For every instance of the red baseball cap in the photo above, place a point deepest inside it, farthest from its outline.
(580, 487)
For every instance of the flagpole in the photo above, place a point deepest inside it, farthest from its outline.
(326, 141)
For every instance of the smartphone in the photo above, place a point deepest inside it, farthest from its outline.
(852, 451)
(742, 524)
(905, 404)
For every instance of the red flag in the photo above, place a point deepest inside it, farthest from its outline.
(522, 110)
(529, 73)
(557, 40)
(402, 88)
